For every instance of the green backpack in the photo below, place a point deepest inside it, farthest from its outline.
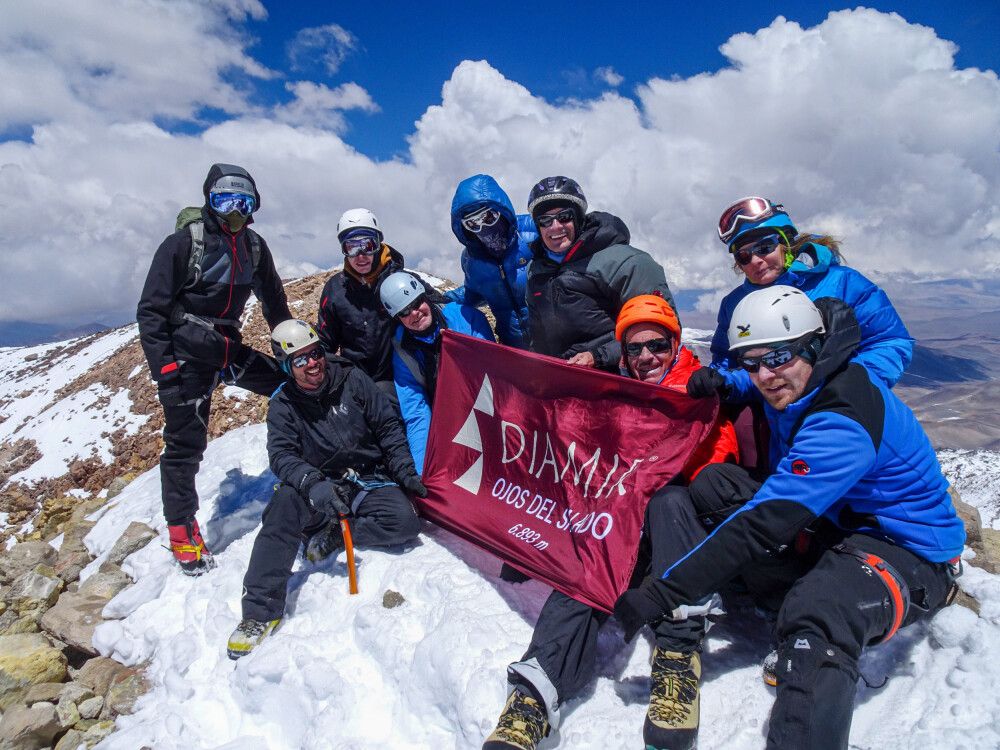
(190, 217)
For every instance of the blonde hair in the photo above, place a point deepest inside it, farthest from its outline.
(802, 239)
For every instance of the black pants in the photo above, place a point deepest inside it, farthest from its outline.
(185, 430)
(561, 657)
(831, 607)
(384, 517)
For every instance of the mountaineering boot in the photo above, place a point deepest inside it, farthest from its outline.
(325, 542)
(189, 548)
(247, 635)
(522, 725)
(672, 717)
(769, 669)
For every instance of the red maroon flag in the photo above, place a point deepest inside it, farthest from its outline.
(550, 466)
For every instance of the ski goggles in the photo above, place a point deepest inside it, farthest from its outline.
(566, 216)
(777, 357)
(485, 217)
(313, 355)
(764, 246)
(356, 246)
(744, 210)
(227, 203)
(655, 346)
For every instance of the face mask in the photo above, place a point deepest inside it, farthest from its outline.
(494, 237)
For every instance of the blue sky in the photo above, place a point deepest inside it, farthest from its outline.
(405, 50)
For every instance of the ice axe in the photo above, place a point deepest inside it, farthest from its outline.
(352, 571)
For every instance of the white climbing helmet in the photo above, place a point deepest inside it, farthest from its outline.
(399, 291)
(357, 218)
(773, 315)
(289, 337)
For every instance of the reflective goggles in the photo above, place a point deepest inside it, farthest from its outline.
(565, 216)
(655, 346)
(227, 203)
(743, 210)
(301, 360)
(764, 246)
(777, 357)
(411, 308)
(356, 246)
(486, 217)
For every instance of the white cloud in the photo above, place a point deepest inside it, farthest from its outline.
(330, 44)
(609, 76)
(861, 125)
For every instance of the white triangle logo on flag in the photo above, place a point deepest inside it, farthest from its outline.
(484, 401)
(473, 478)
(469, 434)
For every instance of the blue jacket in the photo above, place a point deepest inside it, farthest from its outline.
(848, 451)
(499, 283)
(886, 347)
(412, 387)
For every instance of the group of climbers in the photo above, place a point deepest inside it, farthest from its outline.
(845, 530)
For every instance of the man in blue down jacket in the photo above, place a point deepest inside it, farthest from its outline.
(496, 255)
(856, 505)
(189, 326)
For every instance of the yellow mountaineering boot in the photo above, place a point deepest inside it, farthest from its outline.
(522, 724)
(672, 717)
(247, 635)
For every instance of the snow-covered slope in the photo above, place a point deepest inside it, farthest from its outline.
(345, 672)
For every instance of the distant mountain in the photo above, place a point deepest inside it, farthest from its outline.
(26, 333)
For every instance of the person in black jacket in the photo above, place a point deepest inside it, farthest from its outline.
(582, 272)
(339, 449)
(351, 319)
(189, 325)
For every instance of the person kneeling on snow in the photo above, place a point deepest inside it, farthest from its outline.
(337, 445)
(855, 491)
(561, 659)
(416, 346)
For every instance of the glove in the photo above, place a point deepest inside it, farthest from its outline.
(511, 574)
(634, 609)
(327, 496)
(705, 382)
(414, 486)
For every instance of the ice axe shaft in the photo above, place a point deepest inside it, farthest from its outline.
(352, 571)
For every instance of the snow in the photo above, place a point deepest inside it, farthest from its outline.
(344, 672)
(75, 426)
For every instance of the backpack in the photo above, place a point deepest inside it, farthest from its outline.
(190, 217)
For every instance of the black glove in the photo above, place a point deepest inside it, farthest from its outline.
(414, 486)
(705, 382)
(634, 609)
(327, 496)
(511, 574)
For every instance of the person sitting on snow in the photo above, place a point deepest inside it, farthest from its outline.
(189, 324)
(338, 448)
(561, 659)
(416, 347)
(496, 255)
(351, 320)
(856, 505)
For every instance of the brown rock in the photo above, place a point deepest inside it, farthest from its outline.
(29, 659)
(97, 674)
(392, 599)
(91, 708)
(24, 728)
(73, 554)
(24, 556)
(74, 618)
(71, 740)
(134, 538)
(125, 690)
(35, 591)
(988, 551)
(106, 582)
(97, 732)
(45, 691)
(969, 515)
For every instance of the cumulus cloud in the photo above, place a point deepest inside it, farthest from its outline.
(330, 45)
(861, 125)
(609, 76)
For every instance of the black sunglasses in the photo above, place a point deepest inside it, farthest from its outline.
(778, 356)
(563, 217)
(410, 307)
(763, 246)
(655, 346)
(301, 360)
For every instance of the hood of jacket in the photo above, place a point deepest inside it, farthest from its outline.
(220, 170)
(600, 230)
(473, 193)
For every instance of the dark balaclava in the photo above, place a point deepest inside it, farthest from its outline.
(495, 238)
